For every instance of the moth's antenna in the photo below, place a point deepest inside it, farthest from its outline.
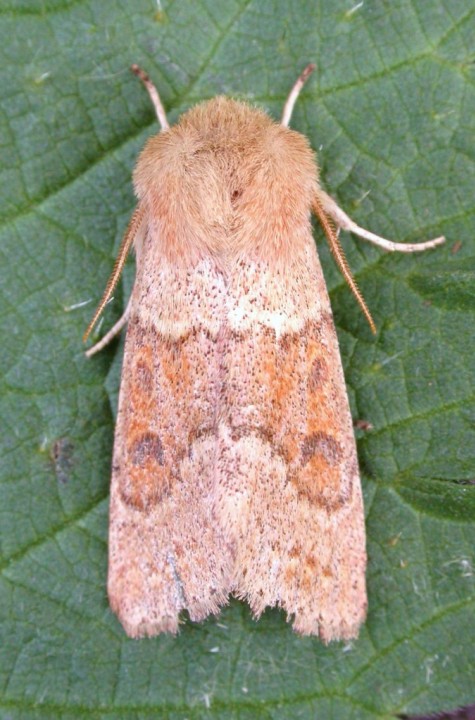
(294, 93)
(154, 96)
(340, 259)
(125, 246)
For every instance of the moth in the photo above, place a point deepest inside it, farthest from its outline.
(235, 469)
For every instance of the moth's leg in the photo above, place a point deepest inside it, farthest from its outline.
(154, 96)
(115, 330)
(344, 222)
(294, 93)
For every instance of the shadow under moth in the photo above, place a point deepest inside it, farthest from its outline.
(235, 469)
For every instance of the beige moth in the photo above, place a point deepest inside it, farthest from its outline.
(235, 469)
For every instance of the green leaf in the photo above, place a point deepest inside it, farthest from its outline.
(390, 111)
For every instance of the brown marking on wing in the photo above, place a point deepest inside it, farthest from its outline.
(323, 476)
(295, 406)
(258, 492)
(265, 382)
(295, 551)
(143, 375)
(144, 478)
(163, 412)
(145, 448)
(318, 374)
(304, 570)
(296, 458)
(141, 465)
(168, 549)
(319, 477)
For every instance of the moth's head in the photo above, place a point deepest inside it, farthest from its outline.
(227, 165)
(230, 138)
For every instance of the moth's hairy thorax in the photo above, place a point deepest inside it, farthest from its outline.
(227, 180)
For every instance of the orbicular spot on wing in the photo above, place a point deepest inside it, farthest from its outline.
(318, 374)
(143, 374)
(140, 381)
(323, 476)
(145, 480)
(316, 350)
